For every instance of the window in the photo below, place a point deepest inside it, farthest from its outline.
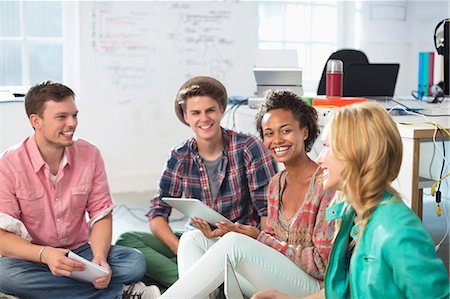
(310, 27)
(31, 42)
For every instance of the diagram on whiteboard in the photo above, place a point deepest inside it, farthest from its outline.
(118, 40)
(202, 37)
(148, 48)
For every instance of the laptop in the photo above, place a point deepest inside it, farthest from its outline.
(232, 289)
(370, 80)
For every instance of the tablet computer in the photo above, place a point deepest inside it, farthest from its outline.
(90, 273)
(192, 207)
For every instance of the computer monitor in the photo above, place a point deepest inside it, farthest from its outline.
(370, 79)
(278, 78)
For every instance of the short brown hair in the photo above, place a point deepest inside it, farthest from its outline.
(40, 93)
(200, 86)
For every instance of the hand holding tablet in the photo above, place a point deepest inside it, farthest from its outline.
(192, 208)
(90, 273)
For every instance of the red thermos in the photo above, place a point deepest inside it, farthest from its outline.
(335, 77)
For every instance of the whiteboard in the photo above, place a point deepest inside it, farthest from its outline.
(143, 49)
(133, 58)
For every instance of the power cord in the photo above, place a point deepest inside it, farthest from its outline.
(437, 92)
(132, 211)
(438, 245)
(438, 183)
(231, 112)
(434, 192)
(409, 110)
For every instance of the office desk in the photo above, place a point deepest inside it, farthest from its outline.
(409, 182)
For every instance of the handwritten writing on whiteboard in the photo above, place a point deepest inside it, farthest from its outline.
(201, 36)
(146, 49)
(119, 41)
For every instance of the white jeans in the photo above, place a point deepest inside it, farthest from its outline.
(192, 246)
(259, 267)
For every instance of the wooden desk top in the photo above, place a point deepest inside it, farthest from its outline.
(421, 130)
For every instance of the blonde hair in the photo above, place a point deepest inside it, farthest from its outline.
(366, 137)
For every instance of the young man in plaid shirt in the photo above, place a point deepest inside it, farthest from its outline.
(227, 170)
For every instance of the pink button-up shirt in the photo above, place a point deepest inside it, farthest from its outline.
(53, 214)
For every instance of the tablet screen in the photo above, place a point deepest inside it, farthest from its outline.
(192, 207)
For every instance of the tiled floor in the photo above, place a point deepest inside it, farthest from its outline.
(131, 208)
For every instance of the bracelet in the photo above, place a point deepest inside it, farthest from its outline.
(40, 253)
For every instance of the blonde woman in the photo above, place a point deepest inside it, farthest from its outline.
(382, 249)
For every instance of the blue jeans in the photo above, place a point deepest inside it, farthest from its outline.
(34, 280)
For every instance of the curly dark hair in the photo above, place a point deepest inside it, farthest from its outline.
(305, 114)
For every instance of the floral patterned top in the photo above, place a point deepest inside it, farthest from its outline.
(307, 238)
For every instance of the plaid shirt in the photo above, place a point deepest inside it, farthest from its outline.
(246, 170)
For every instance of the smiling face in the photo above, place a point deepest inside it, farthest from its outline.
(203, 114)
(57, 124)
(283, 136)
(331, 165)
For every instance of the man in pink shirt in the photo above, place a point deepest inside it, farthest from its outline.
(54, 197)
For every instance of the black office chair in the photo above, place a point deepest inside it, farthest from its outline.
(347, 56)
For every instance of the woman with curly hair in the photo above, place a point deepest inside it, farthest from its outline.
(382, 249)
(292, 250)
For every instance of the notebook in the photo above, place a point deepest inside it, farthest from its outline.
(232, 289)
(370, 79)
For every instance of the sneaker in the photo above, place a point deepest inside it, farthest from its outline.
(139, 290)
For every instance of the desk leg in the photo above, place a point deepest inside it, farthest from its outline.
(407, 182)
(416, 193)
(420, 204)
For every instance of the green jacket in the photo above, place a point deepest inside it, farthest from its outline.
(395, 258)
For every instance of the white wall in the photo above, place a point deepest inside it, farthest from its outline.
(14, 125)
(396, 31)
